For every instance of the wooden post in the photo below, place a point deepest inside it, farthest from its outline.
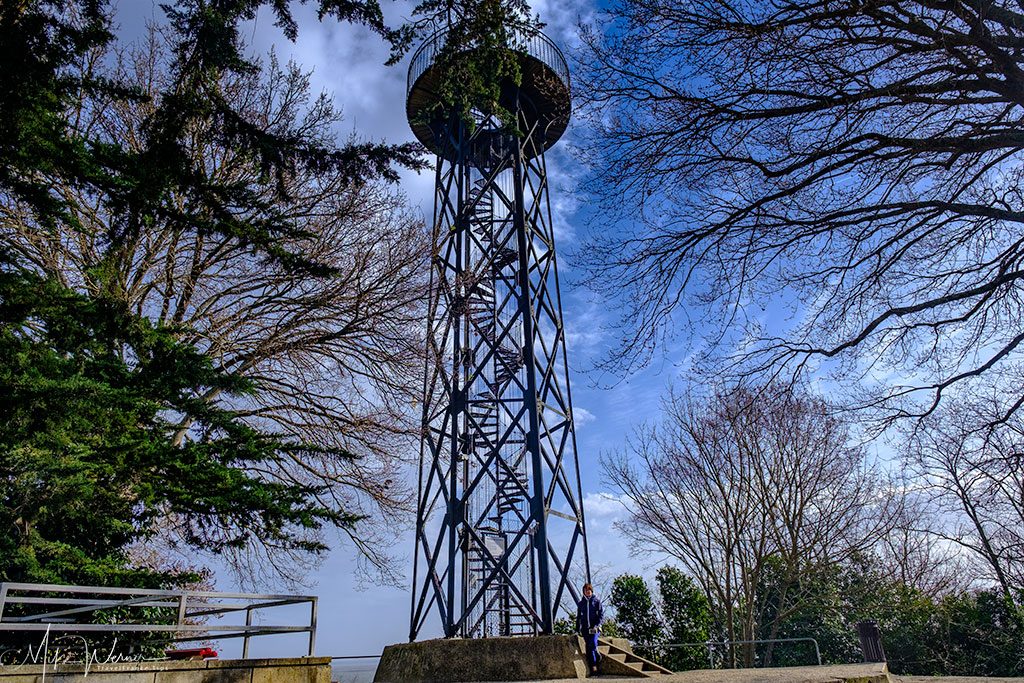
(870, 641)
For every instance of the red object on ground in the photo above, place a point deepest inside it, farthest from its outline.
(192, 653)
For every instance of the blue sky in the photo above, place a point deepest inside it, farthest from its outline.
(347, 62)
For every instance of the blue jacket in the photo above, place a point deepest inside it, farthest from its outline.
(589, 613)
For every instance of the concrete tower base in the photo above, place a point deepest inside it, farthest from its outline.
(482, 659)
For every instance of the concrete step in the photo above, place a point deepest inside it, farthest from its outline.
(619, 659)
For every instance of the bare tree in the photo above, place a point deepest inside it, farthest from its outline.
(855, 164)
(916, 561)
(743, 484)
(912, 554)
(975, 481)
(335, 360)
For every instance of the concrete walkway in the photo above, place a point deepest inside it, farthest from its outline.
(953, 679)
(851, 673)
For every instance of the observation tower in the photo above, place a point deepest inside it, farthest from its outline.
(500, 539)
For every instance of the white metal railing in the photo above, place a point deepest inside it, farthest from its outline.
(56, 608)
(533, 43)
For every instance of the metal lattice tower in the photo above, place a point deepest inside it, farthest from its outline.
(500, 537)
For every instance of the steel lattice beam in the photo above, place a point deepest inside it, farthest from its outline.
(500, 538)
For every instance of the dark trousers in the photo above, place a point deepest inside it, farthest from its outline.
(593, 656)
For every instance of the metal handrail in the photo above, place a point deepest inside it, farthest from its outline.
(203, 603)
(532, 43)
(710, 644)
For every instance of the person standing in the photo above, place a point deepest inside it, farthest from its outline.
(589, 615)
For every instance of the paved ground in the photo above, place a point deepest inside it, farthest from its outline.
(854, 673)
(861, 673)
(953, 679)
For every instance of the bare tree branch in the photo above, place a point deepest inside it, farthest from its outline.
(856, 166)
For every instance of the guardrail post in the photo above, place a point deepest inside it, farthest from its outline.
(245, 640)
(3, 599)
(312, 625)
(181, 612)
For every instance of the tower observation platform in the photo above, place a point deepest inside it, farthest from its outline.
(542, 96)
(501, 545)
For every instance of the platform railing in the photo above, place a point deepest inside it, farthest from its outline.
(72, 609)
(533, 43)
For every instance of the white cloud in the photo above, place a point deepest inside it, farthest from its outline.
(563, 17)
(585, 326)
(582, 416)
(607, 506)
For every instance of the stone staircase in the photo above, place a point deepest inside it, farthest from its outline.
(618, 659)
